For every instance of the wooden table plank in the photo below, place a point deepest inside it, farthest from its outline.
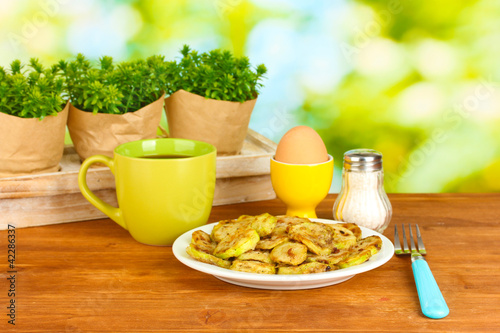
(92, 276)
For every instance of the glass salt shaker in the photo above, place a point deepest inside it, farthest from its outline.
(362, 199)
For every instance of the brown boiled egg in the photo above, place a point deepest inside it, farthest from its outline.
(301, 145)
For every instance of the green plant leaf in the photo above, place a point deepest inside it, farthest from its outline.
(216, 74)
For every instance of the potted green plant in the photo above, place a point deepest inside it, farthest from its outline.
(113, 104)
(33, 116)
(212, 96)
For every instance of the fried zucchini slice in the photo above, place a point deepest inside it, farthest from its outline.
(206, 257)
(279, 230)
(329, 259)
(357, 257)
(342, 238)
(264, 224)
(354, 228)
(255, 255)
(292, 220)
(203, 242)
(272, 242)
(252, 266)
(284, 222)
(242, 240)
(224, 228)
(289, 253)
(362, 251)
(307, 268)
(373, 243)
(316, 236)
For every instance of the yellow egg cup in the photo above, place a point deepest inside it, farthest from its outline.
(301, 186)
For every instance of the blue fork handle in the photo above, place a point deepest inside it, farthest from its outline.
(431, 300)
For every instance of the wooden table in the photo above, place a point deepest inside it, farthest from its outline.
(92, 276)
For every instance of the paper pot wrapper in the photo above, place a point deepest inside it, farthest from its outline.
(221, 123)
(30, 145)
(99, 134)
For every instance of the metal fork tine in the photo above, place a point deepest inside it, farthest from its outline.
(421, 247)
(412, 241)
(405, 243)
(397, 242)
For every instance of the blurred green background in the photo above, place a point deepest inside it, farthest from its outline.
(415, 80)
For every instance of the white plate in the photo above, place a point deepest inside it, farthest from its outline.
(282, 282)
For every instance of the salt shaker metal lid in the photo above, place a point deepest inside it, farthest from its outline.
(363, 160)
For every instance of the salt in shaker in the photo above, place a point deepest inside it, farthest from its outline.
(362, 199)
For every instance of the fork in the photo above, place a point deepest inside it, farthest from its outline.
(431, 300)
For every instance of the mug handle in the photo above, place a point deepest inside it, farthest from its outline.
(112, 212)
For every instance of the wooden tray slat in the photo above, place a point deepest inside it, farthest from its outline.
(55, 197)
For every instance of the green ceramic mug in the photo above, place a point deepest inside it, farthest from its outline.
(164, 187)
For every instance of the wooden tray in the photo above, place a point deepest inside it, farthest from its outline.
(53, 198)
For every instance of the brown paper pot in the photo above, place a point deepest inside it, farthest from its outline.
(223, 124)
(100, 133)
(30, 145)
